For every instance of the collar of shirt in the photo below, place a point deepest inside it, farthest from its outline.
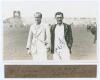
(59, 25)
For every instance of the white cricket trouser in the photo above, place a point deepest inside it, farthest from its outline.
(39, 52)
(64, 56)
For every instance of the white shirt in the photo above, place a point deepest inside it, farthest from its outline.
(59, 38)
(39, 33)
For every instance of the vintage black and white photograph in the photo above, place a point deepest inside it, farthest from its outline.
(50, 31)
(50, 39)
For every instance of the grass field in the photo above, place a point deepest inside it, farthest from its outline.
(15, 43)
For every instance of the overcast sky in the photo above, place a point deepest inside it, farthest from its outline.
(48, 8)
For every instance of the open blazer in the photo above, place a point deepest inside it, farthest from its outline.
(67, 35)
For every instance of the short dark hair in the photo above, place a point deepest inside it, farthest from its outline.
(59, 13)
(18, 12)
(39, 14)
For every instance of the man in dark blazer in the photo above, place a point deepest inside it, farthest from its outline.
(66, 32)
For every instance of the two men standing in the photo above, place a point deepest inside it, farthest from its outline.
(57, 39)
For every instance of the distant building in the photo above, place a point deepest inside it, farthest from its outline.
(15, 21)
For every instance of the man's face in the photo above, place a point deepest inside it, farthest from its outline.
(16, 14)
(38, 18)
(59, 18)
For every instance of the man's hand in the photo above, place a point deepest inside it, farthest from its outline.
(28, 51)
(48, 49)
(69, 45)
